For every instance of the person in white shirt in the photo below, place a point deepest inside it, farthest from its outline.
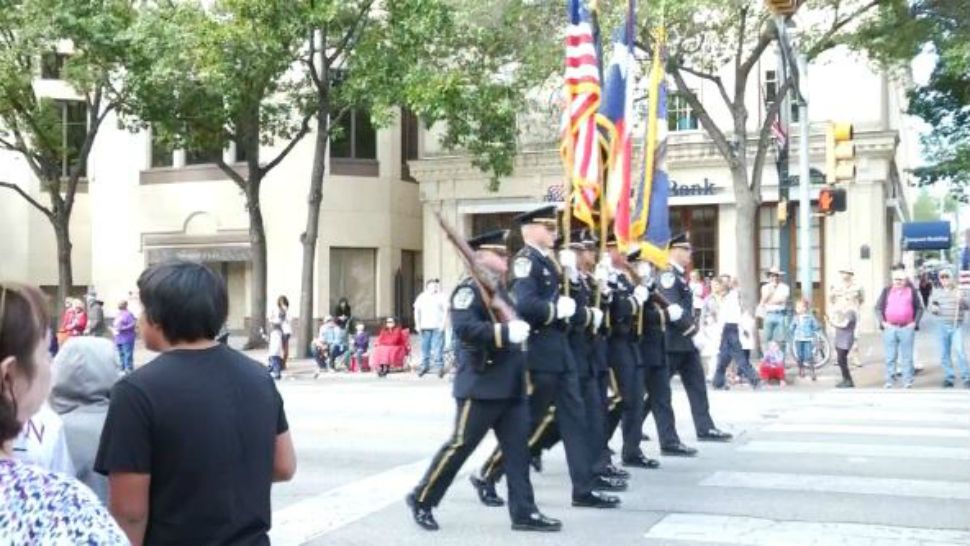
(773, 306)
(43, 442)
(430, 312)
(730, 315)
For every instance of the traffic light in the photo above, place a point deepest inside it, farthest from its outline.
(831, 200)
(839, 153)
(783, 211)
(782, 7)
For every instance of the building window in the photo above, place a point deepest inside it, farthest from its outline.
(409, 142)
(769, 240)
(52, 65)
(161, 153)
(701, 223)
(356, 138)
(73, 129)
(771, 93)
(202, 156)
(353, 275)
(680, 116)
(240, 155)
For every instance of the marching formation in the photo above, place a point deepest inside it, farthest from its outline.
(569, 345)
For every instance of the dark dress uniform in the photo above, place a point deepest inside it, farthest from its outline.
(682, 356)
(657, 374)
(490, 392)
(624, 360)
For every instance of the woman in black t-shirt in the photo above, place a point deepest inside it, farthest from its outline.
(341, 313)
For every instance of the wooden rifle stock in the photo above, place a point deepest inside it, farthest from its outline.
(503, 311)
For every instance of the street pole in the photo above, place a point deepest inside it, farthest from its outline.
(804, 200)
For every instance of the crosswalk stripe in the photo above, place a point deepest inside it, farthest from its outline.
(901, 415)
(858, 450)
(817, 428)
(760, 531)
(822, 483)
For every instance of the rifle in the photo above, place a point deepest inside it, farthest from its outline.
(501, 308)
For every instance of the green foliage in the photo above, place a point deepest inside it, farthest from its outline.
(926, 207)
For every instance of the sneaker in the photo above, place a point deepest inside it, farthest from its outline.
(947, 383)
(908, 385)
(845, 384)
(888, 385)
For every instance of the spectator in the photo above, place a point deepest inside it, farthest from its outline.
(37, 506)
(342, 314)
(430, 310)
(709, 338)
(925, 286)
(124, 331)
(361, 344)
(193, 439)
(275, 350)
(391, 347)
(319, 348)
(68, 318)
(804, 328)
(949, 303)
(80, 323)
(772, 368)
(729, 317)
(851, 294)
(845, 323)
(96, 325)
(283, 308)
(898, 312)
(699, 291)
(84, 373)
(43, 442)
(773, 306)
(335, 337)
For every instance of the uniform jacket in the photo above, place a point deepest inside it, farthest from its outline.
(624, 310)
(581, 326)
(489, 367)
(535, 289)
(674, 287)
(652, 345)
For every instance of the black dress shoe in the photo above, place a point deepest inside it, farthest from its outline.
(715, 435)
(641, 461)
(609, 484)
(422, 371)
(596, 500)
(441, 372)
(486, 492)
(614, 472)
(536, 463)
(422, 514)
(678, 450)
(536, 522)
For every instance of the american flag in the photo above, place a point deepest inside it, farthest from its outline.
(580, 149)
(779, 134)
(617, 116)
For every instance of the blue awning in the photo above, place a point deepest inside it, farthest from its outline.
(927, 236)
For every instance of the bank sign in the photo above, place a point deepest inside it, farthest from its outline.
(927, 236)
(556, 194)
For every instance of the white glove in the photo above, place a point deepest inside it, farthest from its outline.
(518, 331)
(641, 294)
(567, 259)
(597, 317)
(565, 307)
(602, 273)
(644, 270)
(675, 311)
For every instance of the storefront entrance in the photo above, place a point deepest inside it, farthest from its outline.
(701, 223)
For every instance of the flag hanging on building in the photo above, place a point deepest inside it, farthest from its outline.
(651, 218)
(616, 116)
(580, 150)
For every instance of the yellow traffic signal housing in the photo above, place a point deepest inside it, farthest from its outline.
(782, 211)
(782, 7)
(839, 153)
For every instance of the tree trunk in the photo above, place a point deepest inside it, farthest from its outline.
(65, 271)
(309, 237)
(746, 209)
(257, 282)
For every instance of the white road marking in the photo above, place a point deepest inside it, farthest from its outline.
(815, 428)
(759, 531)
(904, 451)
(311, 518)
(871, 414)
(823, 483)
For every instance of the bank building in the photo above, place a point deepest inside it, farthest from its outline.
(379, 239)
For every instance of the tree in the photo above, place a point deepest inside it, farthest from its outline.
(444, 61)
(926, 208)
(55, 135)
(205, 77)
(719, 42)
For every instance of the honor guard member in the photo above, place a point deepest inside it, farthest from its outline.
(536, 282)
(490, 391)
(626, 314)
(683, 356)
(655, 320)
(585, 325)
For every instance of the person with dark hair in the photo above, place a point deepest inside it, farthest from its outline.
(341, 313)
(283, 314)
(124, 331)
(193, 439)
(390, 348)
(37, 506)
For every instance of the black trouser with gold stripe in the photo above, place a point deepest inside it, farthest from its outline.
(658, 401)
(688, 365)
(561, 391)
(509, 420)
(625, 363)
